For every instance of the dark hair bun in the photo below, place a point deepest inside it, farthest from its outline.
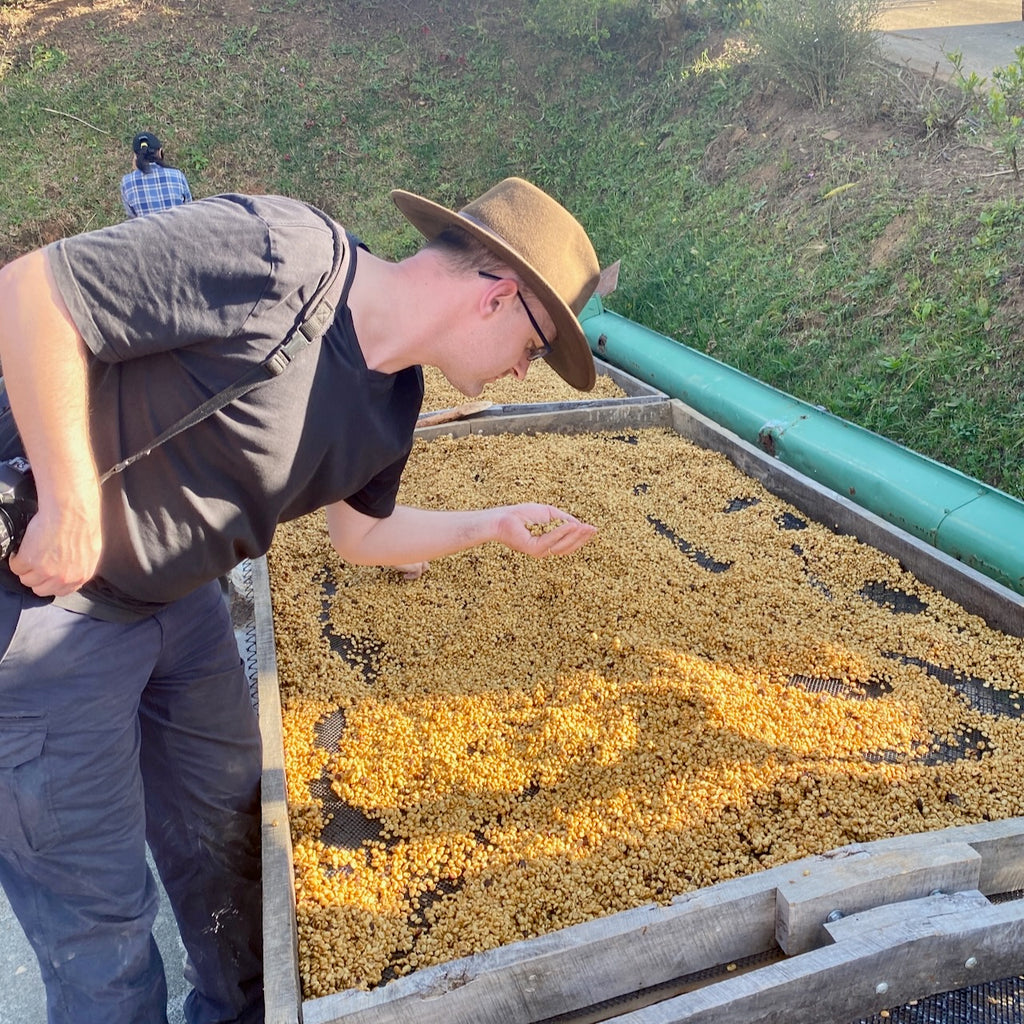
(146, 145)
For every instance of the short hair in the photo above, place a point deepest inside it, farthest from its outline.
(466, 254)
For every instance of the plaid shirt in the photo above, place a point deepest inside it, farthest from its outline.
(161, 188)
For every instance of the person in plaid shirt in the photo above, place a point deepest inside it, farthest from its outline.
(151, 185)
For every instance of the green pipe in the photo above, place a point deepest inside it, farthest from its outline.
(969, 520)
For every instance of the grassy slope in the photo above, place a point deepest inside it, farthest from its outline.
(836, 255)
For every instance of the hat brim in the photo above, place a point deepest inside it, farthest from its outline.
(570, 355)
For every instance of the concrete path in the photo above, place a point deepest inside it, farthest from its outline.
(920, 33)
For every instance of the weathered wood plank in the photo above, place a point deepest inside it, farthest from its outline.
(560, 418)
(638, 949)
(575, 967)
(280, 936)
(632, 386)
(637, 392)
(933, 907)
(883, 961)
(864, 880)
(1000, 844)
(1002, 857)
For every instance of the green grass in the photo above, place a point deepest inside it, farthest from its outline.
(768, 261)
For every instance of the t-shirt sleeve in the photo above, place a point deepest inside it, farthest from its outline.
(379, 496)
(191, 273)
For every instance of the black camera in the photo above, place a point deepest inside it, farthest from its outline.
(17, 504)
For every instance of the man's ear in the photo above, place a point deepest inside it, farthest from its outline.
(497, 294)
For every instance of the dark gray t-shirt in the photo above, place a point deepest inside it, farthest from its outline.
(174, 307)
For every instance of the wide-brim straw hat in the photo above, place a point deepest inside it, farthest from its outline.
(543, 243)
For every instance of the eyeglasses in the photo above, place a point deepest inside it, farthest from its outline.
(545, 345)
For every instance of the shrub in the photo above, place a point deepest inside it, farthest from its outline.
(813, 45)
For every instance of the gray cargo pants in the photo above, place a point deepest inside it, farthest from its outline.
(111, 736)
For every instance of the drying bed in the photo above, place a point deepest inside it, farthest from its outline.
(719, 685)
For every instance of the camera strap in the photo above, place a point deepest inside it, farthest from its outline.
(328, 298)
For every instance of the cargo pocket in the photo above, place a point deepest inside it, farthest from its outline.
(26, 815)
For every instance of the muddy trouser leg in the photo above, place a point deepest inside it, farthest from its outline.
(72, 842)
(201, 766)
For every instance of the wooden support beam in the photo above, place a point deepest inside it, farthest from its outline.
(882, 958)
(862, 880)
(282, 997)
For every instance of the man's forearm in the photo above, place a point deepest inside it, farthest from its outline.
(412, 535)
